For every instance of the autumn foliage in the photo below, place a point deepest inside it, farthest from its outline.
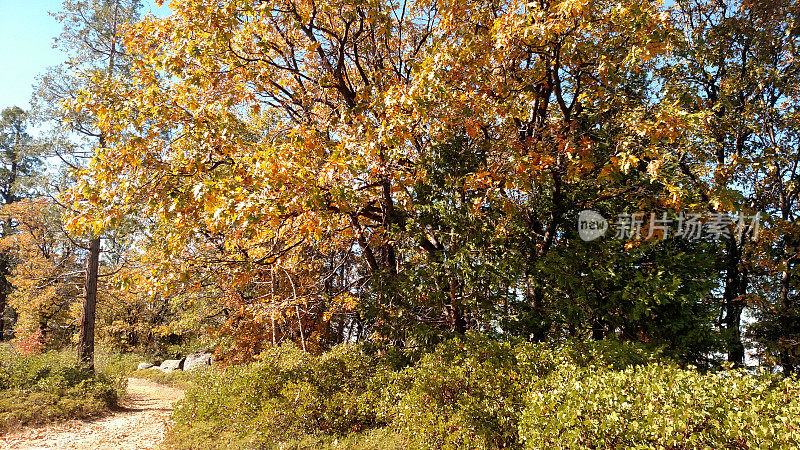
(375, 214)
(325, 172)
(322, 173)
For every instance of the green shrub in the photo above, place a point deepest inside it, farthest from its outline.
(117, 366)
(465, 394)
(469, 392)
(606, 353)
(661, 406)
(286, 394)
(37, 389)
(21, 372)
(377, 439)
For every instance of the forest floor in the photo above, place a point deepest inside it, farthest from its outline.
(140, 423)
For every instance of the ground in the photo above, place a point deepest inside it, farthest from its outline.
(141, 423)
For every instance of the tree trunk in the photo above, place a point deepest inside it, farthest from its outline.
(86, 343)
(5, 290)
(542, 323)
(598, 330)
(735, 287)
(5, 284)
(455, 317)
(2, 316)
(784, 321)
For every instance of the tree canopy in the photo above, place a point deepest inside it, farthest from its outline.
(325, 172)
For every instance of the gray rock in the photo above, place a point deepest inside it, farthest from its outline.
(171, 364)
(143, 366)
(198, 361)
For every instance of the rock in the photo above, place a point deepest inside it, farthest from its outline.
(171, 364)
(143, 366)
(198, 361)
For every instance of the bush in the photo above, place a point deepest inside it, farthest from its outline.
(470, 391)
(37, 389)
(466, 394)
(476, 392)
(377, 439)
(285, 395)
(21, 372)
(661, 406)
(610, 353)
(115, 365)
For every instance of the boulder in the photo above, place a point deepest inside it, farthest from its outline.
(171, 364)
(143, 366)
(198, 361)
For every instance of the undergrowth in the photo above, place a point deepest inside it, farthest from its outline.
(43, 388)
(476, 392)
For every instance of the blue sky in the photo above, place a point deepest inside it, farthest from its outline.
(26, 41)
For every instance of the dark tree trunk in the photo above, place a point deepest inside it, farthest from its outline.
(735, 288)
(2, 316)
(542, 323)
(784, 321)
(86, 343)
(5, 284)
(453, 312)
(5, 289)
(598, 330)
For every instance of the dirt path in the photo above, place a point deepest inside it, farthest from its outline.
(141, 424)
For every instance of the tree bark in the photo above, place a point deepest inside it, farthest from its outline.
(784, 321)
(455, 317)
(542, 325)
(86, 343)
(5, 290)
(2, 316)
(735, 287)
(598, 329)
